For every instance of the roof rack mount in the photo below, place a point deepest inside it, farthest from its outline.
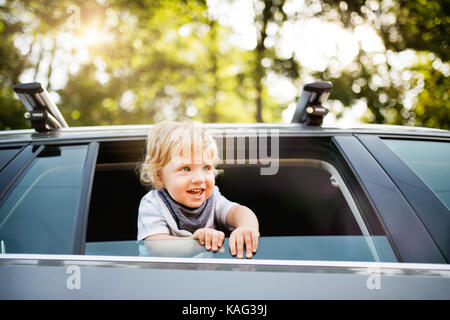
(309, 108)
(42, 111)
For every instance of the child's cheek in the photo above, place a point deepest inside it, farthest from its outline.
(211, 187)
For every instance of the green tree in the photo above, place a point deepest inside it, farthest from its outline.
(11, 66)
(425, 27)
(422, 26)
(269, 12)
(152, 60)
(170, 60)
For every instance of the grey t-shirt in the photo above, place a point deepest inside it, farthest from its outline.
(154, 217)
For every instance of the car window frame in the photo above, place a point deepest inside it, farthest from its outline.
(85, 198)
(341, 153)
(319, 147)
(394, 211)
(428, 207)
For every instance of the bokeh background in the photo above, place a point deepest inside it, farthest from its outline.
(110, 62)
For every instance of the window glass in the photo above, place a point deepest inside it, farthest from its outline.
(38, 214)
(327, 248)
(430, 160)
(6, 155)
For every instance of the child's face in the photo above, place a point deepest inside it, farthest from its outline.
(188, 183)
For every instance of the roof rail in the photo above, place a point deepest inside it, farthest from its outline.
(43, 114)
(309, 106)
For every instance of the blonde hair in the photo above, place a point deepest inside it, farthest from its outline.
(167, 140)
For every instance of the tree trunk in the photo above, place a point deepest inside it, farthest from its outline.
(259, 55)
(215, 77)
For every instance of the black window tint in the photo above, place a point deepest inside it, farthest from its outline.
(6, 155)
(430, 160)
(38, 214)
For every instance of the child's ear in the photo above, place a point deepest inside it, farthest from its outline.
(159, 180)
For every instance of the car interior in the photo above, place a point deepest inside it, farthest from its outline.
(302, 199)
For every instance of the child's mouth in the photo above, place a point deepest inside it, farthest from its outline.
(196, 192)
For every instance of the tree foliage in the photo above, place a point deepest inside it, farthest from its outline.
(136, 62)
(420, 28)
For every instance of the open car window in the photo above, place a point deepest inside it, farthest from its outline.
(305, 212)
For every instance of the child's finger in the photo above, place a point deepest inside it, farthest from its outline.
(255, 237)
(208, 236)
(232, 244)
(248, 245)
(200, 235)
(215, 241)
(240, 246)
(221, 239)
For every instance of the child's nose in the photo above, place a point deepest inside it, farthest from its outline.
(198, 176)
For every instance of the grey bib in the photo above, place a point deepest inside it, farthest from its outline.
(189, 219)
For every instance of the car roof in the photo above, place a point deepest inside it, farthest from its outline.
(140, 131)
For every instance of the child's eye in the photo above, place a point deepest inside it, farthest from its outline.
(185, 169)
(206, 168)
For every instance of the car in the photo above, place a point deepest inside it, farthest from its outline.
(344, 213)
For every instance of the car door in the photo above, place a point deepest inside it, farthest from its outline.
(408, 235)
(420, 169)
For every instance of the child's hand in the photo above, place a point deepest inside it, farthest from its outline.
(244, 236)
(210, 238)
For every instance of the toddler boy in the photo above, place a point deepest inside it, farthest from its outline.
(180, 164)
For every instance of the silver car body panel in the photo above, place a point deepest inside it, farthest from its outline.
(34, 276)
